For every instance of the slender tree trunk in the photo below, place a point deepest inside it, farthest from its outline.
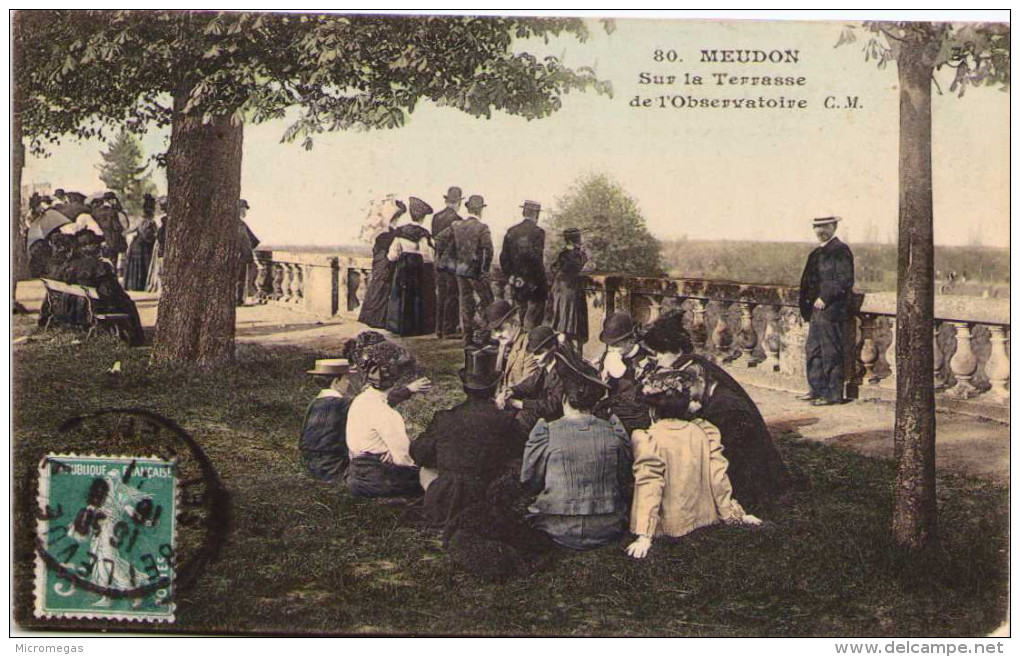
(19, 257)
(196, 309)
(915, 520)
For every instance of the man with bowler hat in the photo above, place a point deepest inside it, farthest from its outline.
(471, 258)
(618, 368)
(447, 303)
(470, 445)
(513, 360)
(826, 290)
(522, 263)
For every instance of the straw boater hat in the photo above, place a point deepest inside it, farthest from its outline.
(822, 221)
(331, 367)
(532, 205)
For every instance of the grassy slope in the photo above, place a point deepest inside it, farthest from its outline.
(304, 557)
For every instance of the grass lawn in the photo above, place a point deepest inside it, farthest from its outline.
(304, 557)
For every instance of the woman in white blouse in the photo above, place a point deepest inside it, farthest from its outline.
(412, 294)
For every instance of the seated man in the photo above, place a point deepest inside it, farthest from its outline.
(756, 467)
(469, 445)
(381, 464)
(514, 361)
(324, 430)
(541, 395)
(680, 480)
(579, 466)
(618, 368)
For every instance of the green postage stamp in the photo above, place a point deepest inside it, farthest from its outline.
(106, 538)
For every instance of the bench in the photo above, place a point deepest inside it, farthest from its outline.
(58, 292)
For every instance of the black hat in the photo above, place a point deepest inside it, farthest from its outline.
(76, 197)
(475, 202)
(453, 195)
(86, 237)
(109, 195)
(419, 208)
(618, 326)
(58, 192)
(497, 313)
(479, 372)
(533, 206)
(667, 334)
(540, 337)
(243, 203)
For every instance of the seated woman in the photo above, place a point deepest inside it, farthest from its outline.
(381, 464)
(756, 466)
(579, 466)
(680, 481)
(324, 430)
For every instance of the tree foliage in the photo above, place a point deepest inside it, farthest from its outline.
(341, 72)
(978, 52)
(611, 224)
(125, 171)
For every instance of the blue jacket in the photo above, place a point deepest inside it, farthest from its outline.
(578, 466)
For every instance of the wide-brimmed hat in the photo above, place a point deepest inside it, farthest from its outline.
(532, 205)
(822, 221)
(475, 202)
(76, 197)
(418, 207)
(453, 195)
(617, 327)
(331, 367)
(540, 337)
(668, 335)
(497, 313)
(479, 371)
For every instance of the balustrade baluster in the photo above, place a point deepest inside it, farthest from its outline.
(869, 350)
(288, 281)
(938, 359)
(747, 336)
(772, 341)
(890, 354)
(997, 367)
(722, 337)
(963, 363)
(299, 283)
(277, 281)
(699, 331)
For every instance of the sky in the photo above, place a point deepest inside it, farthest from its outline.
(696, 173)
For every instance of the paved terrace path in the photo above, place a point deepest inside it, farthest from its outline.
(965, 444)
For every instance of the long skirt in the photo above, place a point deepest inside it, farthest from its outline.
(155, 280)
(377, 297)
(570, 310)
(136, 273)
(368, 476)
(406, 313)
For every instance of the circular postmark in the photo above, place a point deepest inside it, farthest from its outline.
(130, 512)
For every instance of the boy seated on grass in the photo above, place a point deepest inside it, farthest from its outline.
(680, 480)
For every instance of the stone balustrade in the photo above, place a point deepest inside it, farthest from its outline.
(755, 331)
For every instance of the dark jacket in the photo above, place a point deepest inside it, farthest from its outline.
(523, 255)
(622, 399)
(324, 438)
(470, 445)
(113, 229)
(471, 247)
(444, 239)
(828, 275)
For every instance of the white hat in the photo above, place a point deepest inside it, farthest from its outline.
(822, 221)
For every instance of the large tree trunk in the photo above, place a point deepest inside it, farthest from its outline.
(196, 308)
(19, 257)
(915, 520)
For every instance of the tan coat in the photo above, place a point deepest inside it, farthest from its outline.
(680, 480)
(518, 364)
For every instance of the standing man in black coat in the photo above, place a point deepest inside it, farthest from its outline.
(447, 297)
(826, 288)
(468, 245)
(523, 264)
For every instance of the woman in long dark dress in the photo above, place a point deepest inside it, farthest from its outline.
(377, 297)
(139, 254)
(411, 307)
(569, 307)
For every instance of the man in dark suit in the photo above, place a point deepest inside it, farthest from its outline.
(447, 302)
(826, 288)
(471, 258)
(522, 263)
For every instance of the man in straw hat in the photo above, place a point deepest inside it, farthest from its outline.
(826, 289)
(580, 468)
(470, 445)
(324, 430)
(447, 302)
(522, 262)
